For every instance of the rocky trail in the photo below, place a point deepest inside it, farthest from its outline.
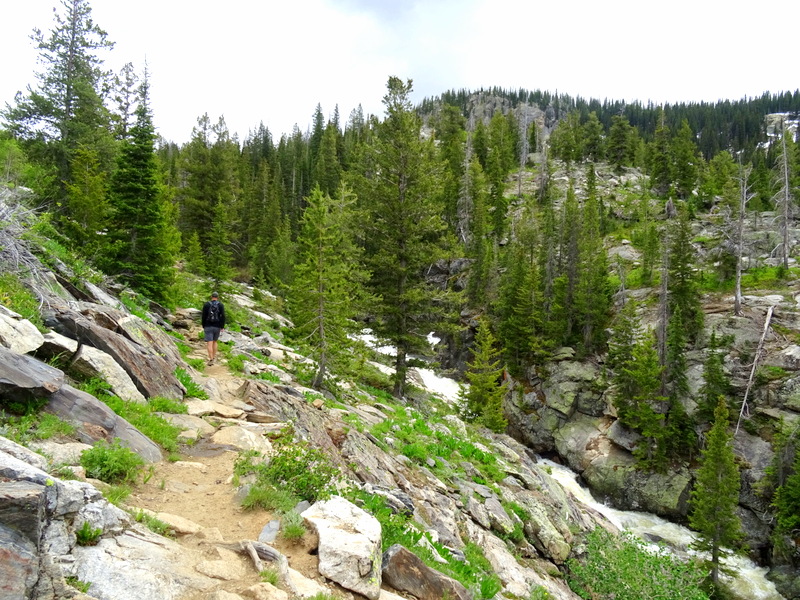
(197, 498)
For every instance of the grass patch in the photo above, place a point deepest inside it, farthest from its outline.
(50, 426)
(622, 567)
(153, 524)
(155, 427)
(167, 405)
(15, 296)
(140, 415)
(268, 497)
(267, 376)
(117, 493)
(768, 278)
(52, 248)
(270, 576)
(193, 390)
(81, 586)
(111, 463)
(34, 426)
(296, 471)
(136, 304)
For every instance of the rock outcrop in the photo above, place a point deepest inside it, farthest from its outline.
(151, 368)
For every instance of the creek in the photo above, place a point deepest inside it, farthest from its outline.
(749, 583)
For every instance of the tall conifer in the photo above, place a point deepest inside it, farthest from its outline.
(143, 240)
(716, 493)
(326, 280)
(399, 186)
(484, 397)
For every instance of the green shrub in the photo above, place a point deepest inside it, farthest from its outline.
(624, 569)
(34, 426)
(539, 593)
(416, 452)
(111, 463)
(302, 469)
(292, 526)
(87, 535)
(475, 573)
(50, 426)
(95, 386)
(198, 364)
(267, 376)
(236, 363)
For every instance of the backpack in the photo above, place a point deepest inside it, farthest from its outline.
(213, 312)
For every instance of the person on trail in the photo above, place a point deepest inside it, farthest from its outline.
(213, 321)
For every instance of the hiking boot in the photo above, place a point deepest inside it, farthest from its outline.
(210, 362)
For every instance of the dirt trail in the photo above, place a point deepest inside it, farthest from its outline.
(200, 488)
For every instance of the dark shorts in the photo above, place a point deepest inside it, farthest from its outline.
(211, 334)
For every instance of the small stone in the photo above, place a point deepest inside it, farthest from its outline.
(270, 532)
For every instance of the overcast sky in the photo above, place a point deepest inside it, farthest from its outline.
(273, 61)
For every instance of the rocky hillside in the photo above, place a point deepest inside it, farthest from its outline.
(478, 496)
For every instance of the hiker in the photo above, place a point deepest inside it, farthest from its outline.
(213, 322)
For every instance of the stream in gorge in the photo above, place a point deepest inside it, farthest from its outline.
(750, 582)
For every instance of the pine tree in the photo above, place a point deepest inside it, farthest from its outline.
(193, 254)
(567, 139)
(327, 170)
(399, 185)
(784, 199)
(786, 468)
(685, 160)
(484, 398)
(452, 137)
(142, 240)
(716, 384)
(623, 340)
(279, 258)
(593, 293)
(87, 201)
(593, 138)
(716, 494)
(660, 161)
(647, 411)
(683, 288)
(518, 307)
(680, 438)
(66, 109)
(322, 299)
(217, 255)
(480, 247)
(619, 147)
